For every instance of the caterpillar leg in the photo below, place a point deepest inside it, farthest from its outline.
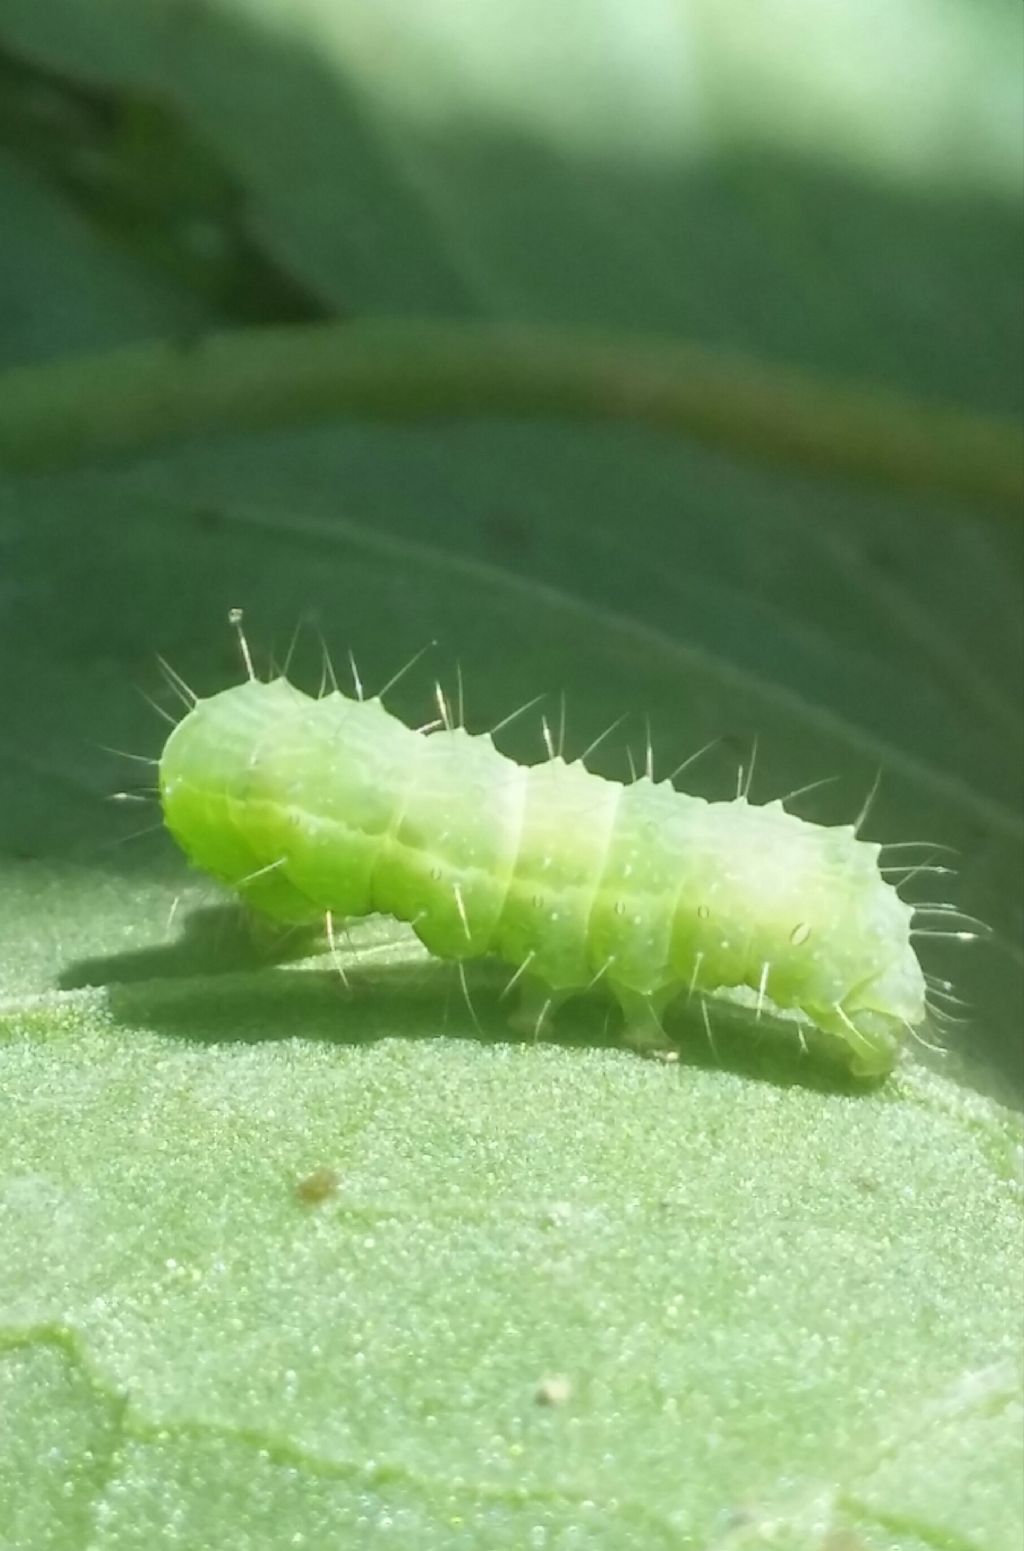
(536, 1005)
(643, 1028)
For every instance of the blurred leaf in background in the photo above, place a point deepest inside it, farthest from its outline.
(778, 1313)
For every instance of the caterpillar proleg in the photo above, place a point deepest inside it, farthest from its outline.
(331, 808)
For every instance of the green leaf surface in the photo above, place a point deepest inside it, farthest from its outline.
(501, 1217)
(285, 1265)
(776, 179)
(65, 290)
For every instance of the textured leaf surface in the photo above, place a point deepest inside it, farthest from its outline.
(547, 1296)
(754, 1294)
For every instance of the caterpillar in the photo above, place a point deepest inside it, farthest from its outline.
(329, 807)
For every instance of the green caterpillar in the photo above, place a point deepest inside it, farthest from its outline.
(330, 807)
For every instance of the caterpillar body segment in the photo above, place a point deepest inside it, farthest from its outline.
(333, 807)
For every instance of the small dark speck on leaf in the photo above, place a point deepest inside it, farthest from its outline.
(553, 1391)
(318, 1186)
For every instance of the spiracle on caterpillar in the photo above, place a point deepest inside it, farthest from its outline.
(329, 808)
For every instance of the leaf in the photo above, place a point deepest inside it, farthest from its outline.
(503, 1214)
(65, 289)
(851, 203)
(287, 1267)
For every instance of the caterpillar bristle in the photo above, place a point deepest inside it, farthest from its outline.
(136, 834)
(697, 962)
(261, 872)
(461, 697)
(357, 683)
(460, 906)
(691, 759)
(405, 668)
(868, 803)
(542, 1017)
(185, 693)
(951, 913)
(442, 706)
(929, 845)
(926, 1044)
(460, 969)
(706, 1016)
(506, 721)
(937, 997)
(943, 988)
(235, 620)
(748, 783)
(159, 709)
(762, 987)
(327, 673)
(950, 936)
(520, 971)
(933, 868)
(139, 759)
(333, 946)
(926, 867)
(596, 979)
(601, 737)
(941, 1016)
(292, 644)
(856, 1037)
(535, 1006)
(811, 786)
